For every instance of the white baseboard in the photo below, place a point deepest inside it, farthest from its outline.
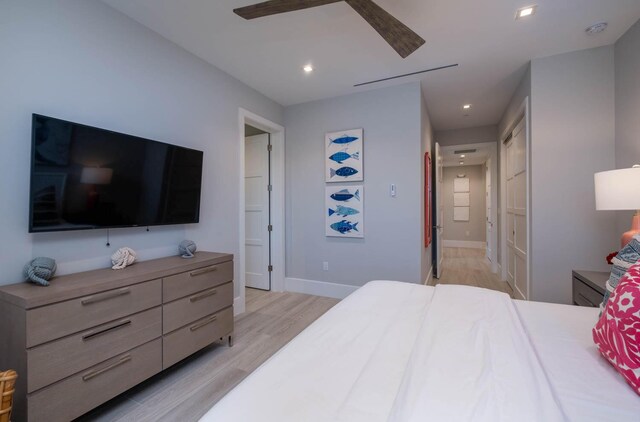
(429, 277)
(318, 288)
(238, 306)
(463, 244)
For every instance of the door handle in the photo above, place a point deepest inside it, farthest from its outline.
(437, 227)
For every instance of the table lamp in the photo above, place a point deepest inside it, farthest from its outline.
(620, 190)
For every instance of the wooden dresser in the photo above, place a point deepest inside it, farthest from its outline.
(93, 335)
(589, 287)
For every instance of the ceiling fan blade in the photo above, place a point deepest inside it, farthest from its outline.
(273, 7)
(397, 34)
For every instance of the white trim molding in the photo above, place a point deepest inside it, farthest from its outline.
(318, 288)
(463, 244)
(238, 305)
(429, 277)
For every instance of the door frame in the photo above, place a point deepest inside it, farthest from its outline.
(522, 112)
(491, 241)
(492, 147)
(437, 202)
(277, 203)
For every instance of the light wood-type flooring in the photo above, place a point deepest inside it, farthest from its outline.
(469, 267)
(187, 390)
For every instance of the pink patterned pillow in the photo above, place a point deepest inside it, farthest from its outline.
(617, 333)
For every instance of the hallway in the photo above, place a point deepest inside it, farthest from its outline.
(469, 267)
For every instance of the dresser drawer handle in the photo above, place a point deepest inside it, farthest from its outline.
(96, 372)
(203, 323)
(204, 294)
(106, 296)
(203, 271)
(588, 301)
(95, 334)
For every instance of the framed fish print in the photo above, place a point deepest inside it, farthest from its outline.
(344, 211)
(343, 156)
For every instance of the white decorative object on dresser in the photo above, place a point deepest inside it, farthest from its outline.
(93, 335)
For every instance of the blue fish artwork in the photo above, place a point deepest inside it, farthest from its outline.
(343, 172)
(344, 226)
(343, 155)
(344, 195)
(344, 139)
(343, 211)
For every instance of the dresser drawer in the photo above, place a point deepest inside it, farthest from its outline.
(186, 310)
(584, 295)
(58, 359)
(80, 393)
(184, 284)
(58, 320)
(188, 340)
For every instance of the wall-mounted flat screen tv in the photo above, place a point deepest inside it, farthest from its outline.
(83, 177)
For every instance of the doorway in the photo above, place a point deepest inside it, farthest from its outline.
(482, 159)
(257, 194)
(488, 211)
(261, 259)
(466, 216)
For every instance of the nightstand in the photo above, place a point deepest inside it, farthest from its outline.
(589, 287)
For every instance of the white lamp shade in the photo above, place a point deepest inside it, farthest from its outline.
(618, 189)
(96, 175)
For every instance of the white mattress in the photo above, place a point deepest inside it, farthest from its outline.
(355, 364)
(587, 386)
(346, 366)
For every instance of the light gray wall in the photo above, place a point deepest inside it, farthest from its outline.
(475, 228)
(472, 135)
(627, 60)
(391, 248)
(506, 121)
(522, 91)
(572, 113)
(427, 141)
(83, 61)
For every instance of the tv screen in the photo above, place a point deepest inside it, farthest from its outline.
(83, 177)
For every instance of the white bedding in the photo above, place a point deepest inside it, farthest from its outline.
(587, 386)
(474, 362)
(400, 352)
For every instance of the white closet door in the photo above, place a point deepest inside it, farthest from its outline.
(517, 249)
(257, 211)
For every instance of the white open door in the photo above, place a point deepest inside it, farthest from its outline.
(439, 211)
(256, 180)
(488, 198)
(517, 192)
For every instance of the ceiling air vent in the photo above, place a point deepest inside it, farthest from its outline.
(465, 151)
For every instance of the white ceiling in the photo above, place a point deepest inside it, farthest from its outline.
(491, 47)
(451, 159)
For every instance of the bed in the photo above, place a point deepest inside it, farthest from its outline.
(396, 351)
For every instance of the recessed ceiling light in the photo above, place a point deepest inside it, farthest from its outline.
(596, 28)
(462, 156)
(524, 12)
(466, 106)
(461, 162)
(308, 68)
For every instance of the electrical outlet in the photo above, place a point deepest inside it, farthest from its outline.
(467, 233)
(325, 266)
